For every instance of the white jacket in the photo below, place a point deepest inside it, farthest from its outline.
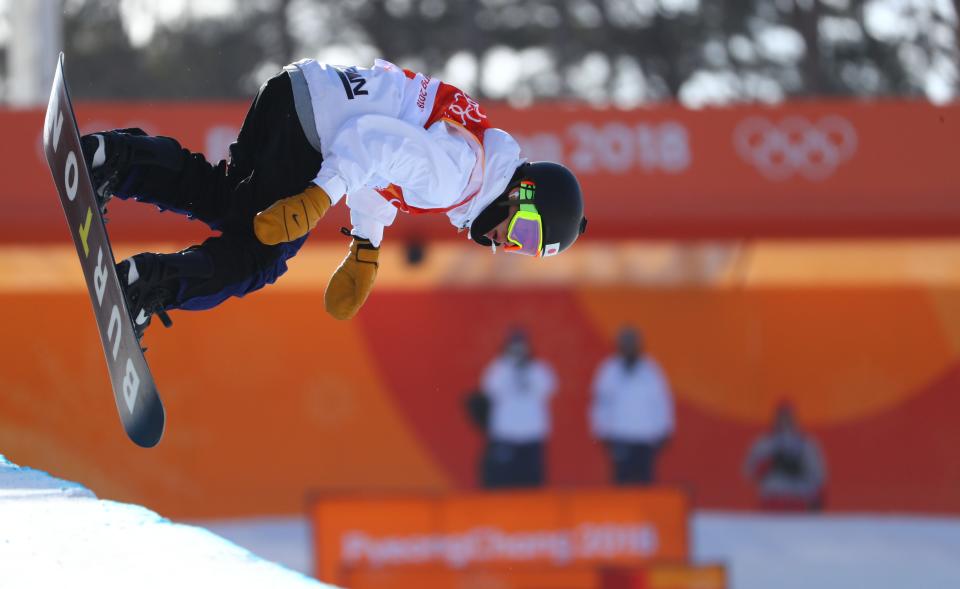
(631, 405)
(520, 399)
(393, 139)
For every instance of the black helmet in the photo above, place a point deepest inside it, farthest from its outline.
(558, 200)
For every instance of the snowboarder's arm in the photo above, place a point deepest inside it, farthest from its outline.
(369, 214)
(353, 280)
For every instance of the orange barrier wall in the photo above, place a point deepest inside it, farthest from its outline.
(268, 397)
(511, 577)
(651, 576)
(560, 528)
(667, 576)
(806, 168)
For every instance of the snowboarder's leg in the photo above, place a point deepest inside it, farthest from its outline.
(271, 159)
(200, 277)
(127, 163)
(281, 163)
(150, 283)
(272, 153)
(240, 267)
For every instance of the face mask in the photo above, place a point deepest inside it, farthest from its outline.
(496, 212)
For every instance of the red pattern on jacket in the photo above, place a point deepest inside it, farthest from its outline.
(456, 107)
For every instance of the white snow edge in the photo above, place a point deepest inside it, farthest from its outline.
(55, 533)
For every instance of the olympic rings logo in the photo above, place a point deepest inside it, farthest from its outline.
(470, 111)
(796, 145)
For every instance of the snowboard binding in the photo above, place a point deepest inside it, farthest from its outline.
(107, 160)
(119, 160)
(148, 289)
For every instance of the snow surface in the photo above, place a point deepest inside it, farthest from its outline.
(761, 551)
(830, 551)
(286, 540)
(55, 533)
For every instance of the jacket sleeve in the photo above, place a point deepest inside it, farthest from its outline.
(491, 381)
(369, 214)
(816, 467)
(601, 406)
(759, 452)
(664, 398)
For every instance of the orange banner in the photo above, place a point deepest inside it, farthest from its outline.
(556, 528)
(802, 169)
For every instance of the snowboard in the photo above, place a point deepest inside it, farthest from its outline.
(138, 402)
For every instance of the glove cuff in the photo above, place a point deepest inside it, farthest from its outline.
(365, 252)
(362, 249)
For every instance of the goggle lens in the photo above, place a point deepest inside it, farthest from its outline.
(525, 234)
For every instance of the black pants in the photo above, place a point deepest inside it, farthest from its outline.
(633, 462)
(271, 159)
(507, 464)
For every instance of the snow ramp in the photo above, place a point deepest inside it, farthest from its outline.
(55, 533)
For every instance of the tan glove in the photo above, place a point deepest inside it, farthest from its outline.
(351, 283)
(292, 217)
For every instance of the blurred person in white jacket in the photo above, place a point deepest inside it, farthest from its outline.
(787, 466)
(519, 388)
(632, 410)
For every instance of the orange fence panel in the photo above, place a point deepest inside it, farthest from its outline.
(651, 576)
(667, 576)
(380, 406)
(498, 577)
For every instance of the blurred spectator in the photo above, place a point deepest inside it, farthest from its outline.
(477, 406)
(787, 465)
(632, 410)
(518, 388)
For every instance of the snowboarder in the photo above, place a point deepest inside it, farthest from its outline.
(385, 138)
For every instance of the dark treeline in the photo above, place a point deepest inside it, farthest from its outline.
(621, 51)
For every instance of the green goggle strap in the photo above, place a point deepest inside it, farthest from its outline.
(528, 210)
(527, 190)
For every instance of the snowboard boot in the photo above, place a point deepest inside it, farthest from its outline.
(103, 154)
(150, 288)
(114, 159)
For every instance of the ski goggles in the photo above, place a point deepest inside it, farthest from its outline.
(525, 232)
